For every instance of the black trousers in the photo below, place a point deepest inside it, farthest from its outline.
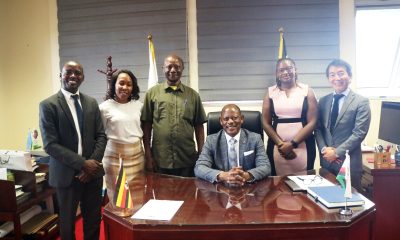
(89, 195)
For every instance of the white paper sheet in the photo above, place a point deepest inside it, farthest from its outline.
(158, 210)
(3, 173)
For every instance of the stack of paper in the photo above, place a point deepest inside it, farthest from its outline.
(158, 210)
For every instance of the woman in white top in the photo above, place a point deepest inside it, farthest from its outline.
(121, 119)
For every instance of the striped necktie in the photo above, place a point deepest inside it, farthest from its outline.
(232, 156)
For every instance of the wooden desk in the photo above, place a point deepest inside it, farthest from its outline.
(269, 209)
(386, 195)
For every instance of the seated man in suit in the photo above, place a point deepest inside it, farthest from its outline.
(233, 155)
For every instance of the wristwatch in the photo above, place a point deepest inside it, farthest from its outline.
(294, 144)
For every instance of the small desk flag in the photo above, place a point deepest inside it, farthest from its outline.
(344, 176)
(122, 196)
(153, 76)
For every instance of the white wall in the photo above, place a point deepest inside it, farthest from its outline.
(28, 52)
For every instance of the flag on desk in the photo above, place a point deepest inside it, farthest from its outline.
(122, 196)
(153, 76)
(282, 46)
(344, 176)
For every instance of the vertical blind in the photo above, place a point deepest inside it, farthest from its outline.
(91, 30)
(238, 44)
(237, 41)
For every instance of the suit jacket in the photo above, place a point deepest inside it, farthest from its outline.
(349, 131)
(60, 138)
(214, 156)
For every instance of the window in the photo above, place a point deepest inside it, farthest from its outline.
(378, 52)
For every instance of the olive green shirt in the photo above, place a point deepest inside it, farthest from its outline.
(173, 114)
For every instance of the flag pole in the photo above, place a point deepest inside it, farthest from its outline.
(346, 164)
(346, 211)
(153, 76)
(282, 46)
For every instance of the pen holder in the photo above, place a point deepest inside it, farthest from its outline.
(382, 159)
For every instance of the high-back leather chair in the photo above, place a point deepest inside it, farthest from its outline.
(252, 122)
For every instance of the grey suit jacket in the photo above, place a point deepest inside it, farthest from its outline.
(60, 138)
(350, 130)
(214, 156)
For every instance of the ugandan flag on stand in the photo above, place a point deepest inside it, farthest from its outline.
(344, 176)
(122, 196)
(282, 46)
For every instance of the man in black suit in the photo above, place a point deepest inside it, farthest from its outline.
(73, 136)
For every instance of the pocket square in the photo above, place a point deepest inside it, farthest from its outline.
(248, 153)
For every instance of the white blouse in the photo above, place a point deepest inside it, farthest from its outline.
(122, 120)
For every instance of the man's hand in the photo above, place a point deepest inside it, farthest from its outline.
(91, 167)
(235, 176)
(330, 155)
(84, 177)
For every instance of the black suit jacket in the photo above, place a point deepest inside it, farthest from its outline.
(60, 138)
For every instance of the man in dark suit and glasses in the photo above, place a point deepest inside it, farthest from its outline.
(73, 136)
(343, 123)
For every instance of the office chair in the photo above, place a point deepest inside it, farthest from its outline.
(252, 122)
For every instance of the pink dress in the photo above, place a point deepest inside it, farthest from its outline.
(289, 116)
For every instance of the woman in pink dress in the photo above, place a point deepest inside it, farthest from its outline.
(289, 119)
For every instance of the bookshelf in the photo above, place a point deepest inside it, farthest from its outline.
(11, 208)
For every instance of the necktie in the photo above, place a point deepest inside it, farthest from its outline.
(79, 112)
(335, 110)
(232, 156)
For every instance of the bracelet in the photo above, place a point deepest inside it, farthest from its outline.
(294, 144)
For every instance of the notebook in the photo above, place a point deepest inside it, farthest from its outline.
(333, 196)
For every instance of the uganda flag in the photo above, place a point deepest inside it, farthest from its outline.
(122, 196)
(282, 46)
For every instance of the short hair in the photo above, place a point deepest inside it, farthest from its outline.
(135, 87)
(231, 105)
(177, 57)
(339, 63)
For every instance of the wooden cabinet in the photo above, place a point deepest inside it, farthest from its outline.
(11, 209)
(385, 193)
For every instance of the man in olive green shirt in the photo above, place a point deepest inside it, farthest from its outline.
(174, 112)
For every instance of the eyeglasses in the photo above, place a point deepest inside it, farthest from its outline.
(314, 180)
(340, 74)
(288, 69)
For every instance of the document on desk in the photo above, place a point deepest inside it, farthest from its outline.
(305, 181)
(3, 173)
(158, 210)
